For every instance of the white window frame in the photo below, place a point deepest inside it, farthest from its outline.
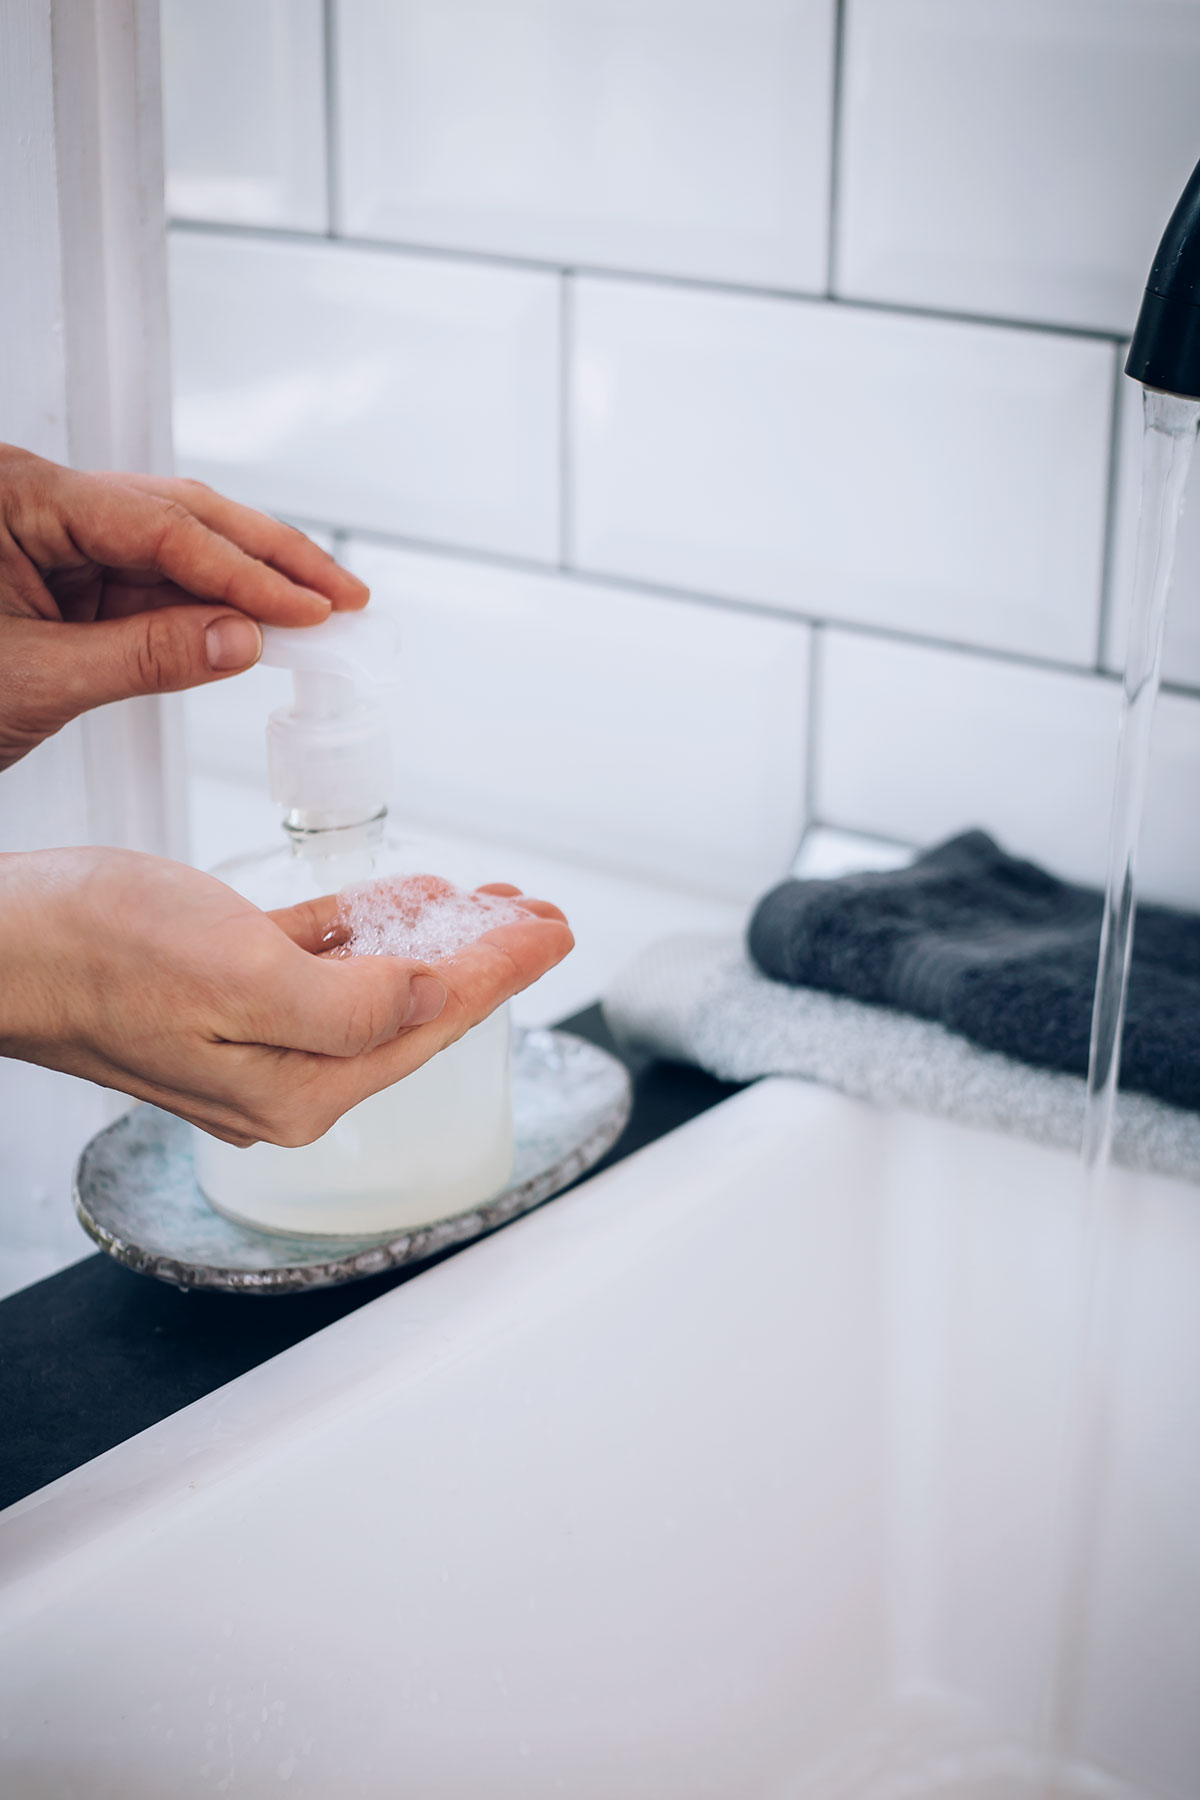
(86, 369)
(84, 380)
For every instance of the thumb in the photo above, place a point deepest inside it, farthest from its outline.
(50, 672)
(334, 1006)
(154, 652)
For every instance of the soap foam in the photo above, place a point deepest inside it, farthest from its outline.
(418, 916)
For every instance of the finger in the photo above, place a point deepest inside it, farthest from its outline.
(503, 962)
(312, 924)
(22, 590)
(545, 909)
(478, 980)
(317, 925)
(281, 546)
(541, 909)
(127, 528)
(135, 594)
(59, 671)
(336, 1008)
(288, 1095)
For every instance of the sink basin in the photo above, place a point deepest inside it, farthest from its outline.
(731, 1474)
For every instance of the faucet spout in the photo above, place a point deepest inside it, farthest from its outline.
(1165, 352)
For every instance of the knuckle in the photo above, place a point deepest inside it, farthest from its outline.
(177, 490)
(369, 1007)
(174, 521)
(369, 1020)
(155, 654)
(173, 512)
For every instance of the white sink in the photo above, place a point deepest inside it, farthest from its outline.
(727, 1475)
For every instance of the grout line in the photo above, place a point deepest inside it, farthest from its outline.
(835, 147)
(900, 309)
(816, 659)
(852, 627)
(333, 182)
(291, 234)
(755, 609)
(344, 535)
(1107, 561)
(642, 278)
(399, 540)
(566, 496)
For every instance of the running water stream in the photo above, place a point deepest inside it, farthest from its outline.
(1168, 442)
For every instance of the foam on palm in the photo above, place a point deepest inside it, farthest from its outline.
(418, 916)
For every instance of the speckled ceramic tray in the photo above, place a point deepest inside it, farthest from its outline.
(136, 1192)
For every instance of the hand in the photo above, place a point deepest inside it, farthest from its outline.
(115, 585)
(146, 976)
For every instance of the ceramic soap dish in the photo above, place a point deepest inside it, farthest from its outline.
(136, 1192)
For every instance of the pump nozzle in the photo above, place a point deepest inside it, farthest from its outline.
(1165, 352)
(328, 752)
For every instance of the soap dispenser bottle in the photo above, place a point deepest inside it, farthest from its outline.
(439, 1141)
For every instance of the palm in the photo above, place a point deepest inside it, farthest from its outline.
(162, 982)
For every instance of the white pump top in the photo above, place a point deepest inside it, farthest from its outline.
(328, 752)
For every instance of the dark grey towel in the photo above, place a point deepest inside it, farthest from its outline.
(997, 950)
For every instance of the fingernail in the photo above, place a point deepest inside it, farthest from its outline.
(426, 998)
(232, 644)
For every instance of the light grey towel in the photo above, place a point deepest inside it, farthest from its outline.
(699, 999)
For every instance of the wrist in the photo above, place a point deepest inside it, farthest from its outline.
(38, 989)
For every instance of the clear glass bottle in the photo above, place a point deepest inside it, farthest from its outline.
(439, 1141)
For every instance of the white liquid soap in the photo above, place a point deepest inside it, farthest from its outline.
(440, 1141)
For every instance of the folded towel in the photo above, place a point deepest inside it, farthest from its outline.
(699, 999)
(998, 950)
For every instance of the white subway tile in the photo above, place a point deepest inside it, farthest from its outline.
(658, 737)
(404, 394)
(244, 111)
(923, 475)
(1181, 650)
(1170, 861)
(917, 742)
(1015, 159)
(690, 140)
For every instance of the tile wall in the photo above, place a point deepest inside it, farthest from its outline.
(726, 398)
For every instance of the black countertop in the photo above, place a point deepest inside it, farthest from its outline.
(95, 1354)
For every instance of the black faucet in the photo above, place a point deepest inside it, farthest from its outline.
(1165, 352)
